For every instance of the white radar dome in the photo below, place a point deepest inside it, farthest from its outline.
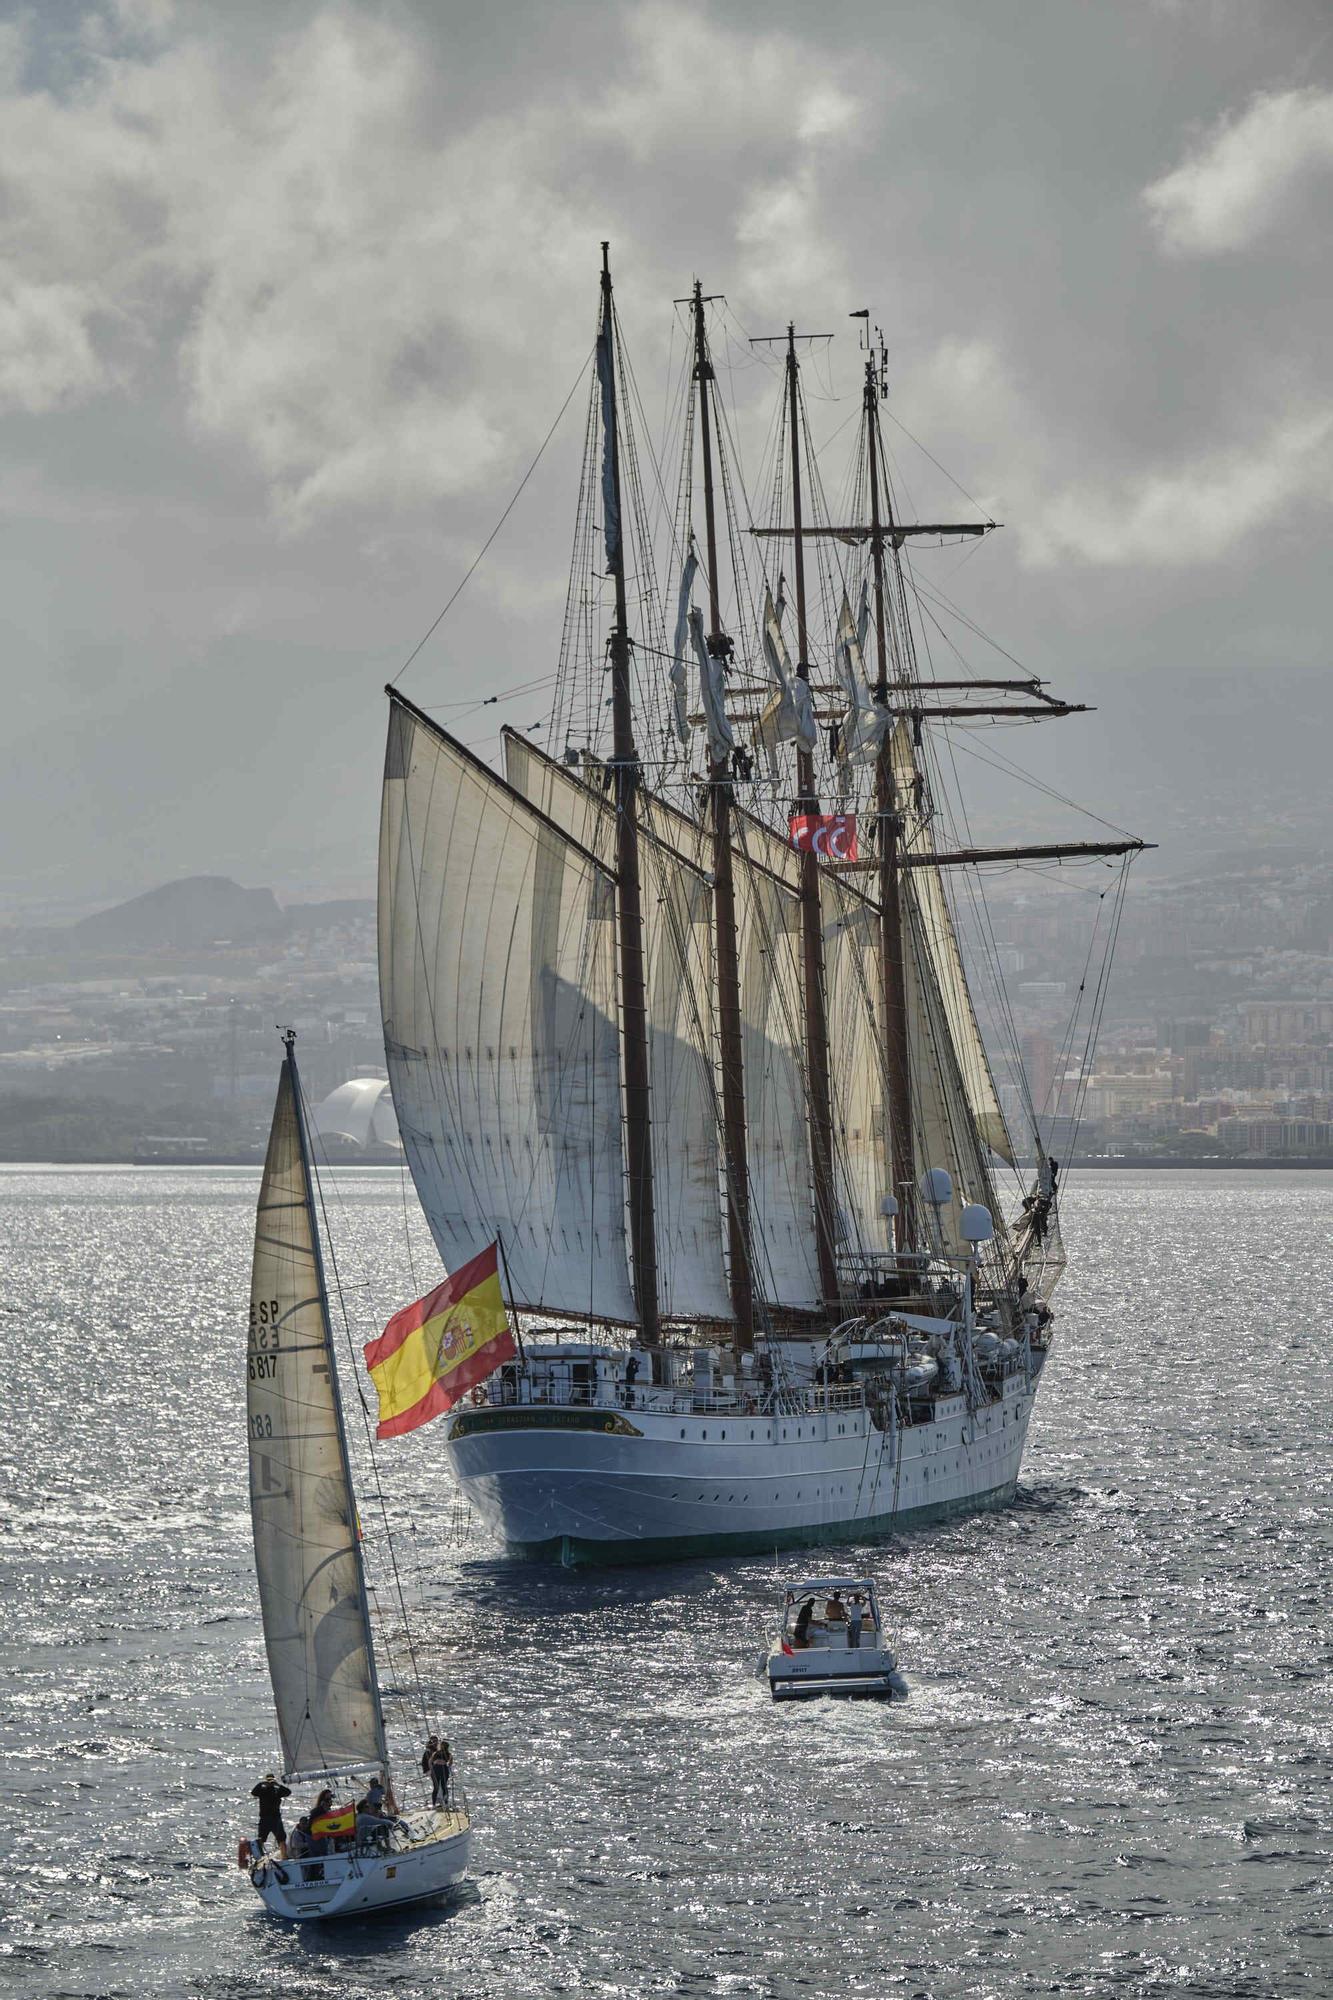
(976, 1223)
(936, 1186)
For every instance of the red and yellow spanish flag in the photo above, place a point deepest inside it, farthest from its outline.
(334, 1825)
(432, 1353)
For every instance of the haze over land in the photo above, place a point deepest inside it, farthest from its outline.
(296, 291)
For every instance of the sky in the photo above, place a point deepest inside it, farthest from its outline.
(293, 293)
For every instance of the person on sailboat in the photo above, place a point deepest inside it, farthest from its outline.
(441, 1770)
(270, 1795)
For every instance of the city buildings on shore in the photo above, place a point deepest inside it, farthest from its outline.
(154, 1040)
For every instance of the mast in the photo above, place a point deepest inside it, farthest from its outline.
(812, 922)
(724, 907)
(308, 1187)
(893, 978)
(625, 766)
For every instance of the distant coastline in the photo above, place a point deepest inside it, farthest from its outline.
(1318, 1163)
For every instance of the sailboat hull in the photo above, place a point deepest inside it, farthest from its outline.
(365, 1885)
(654, 1488)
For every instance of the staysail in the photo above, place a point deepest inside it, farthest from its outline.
(941, 940)
(497, 957)
(311, 1585)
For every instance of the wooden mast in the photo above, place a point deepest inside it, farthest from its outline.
(724, 907)
(893, 977)
(625, 767)
(812, 922)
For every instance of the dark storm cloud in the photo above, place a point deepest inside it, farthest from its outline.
(294, 291)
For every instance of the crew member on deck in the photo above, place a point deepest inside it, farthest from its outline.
(270, 1795)
(441, 1770)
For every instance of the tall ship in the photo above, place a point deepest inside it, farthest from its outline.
(675, 1006)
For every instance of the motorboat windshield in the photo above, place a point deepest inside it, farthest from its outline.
(831, 1611)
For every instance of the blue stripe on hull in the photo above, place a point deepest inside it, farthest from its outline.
(576, 1552)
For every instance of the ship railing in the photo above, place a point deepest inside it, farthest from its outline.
(747, 1399)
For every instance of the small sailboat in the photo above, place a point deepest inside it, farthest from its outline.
(312, 1584)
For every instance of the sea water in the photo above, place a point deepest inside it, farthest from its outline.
(1112, 1777)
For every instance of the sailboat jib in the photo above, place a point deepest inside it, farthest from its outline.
(498, 992)
(307, 1556)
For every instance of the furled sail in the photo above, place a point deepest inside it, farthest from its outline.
(307, 1556)
(937, 929)
(678, 977)
(498, 992)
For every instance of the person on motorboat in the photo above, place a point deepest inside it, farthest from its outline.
(855, 1616)
(270, 1795)
(835, 1610)
(800, 1633)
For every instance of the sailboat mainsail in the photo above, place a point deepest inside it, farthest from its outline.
(312, 1589)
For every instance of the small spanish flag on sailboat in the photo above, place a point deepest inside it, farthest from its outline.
(431, 1353)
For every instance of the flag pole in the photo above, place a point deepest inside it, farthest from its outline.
(508, 1291)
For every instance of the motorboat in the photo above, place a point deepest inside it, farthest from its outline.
(831, 1642)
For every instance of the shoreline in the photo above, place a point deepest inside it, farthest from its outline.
(1319, 1163)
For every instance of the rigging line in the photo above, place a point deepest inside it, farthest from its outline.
(490, 700)
(477, 559)
(971, 498)
(1002, 763)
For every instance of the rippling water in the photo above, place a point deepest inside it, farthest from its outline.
(1112, 1777)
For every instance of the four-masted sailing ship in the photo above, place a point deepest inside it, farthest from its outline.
(680, 1012)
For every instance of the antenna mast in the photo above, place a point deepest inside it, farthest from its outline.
(625, 767)
(724, 905)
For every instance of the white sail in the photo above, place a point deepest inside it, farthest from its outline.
(941, 940)
(861, 1155)
(678, 982)
(945, 1131)
(498, 994)
(307, 1554)
(782, 1215)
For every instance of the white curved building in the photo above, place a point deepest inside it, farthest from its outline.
(361, 1111)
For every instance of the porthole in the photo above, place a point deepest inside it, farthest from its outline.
(724, 1437)
(705, 1433)
(751, 1437)
(682, 1431)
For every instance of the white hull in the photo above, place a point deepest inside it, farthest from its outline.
(600, 1485)
(367, 1884)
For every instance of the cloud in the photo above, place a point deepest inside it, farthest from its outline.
(330, 257)
(1194, 513)
(1236, 183)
